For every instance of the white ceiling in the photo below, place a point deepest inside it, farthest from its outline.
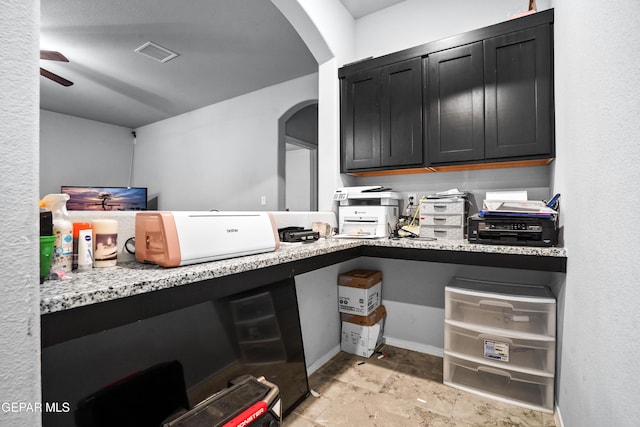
(226, 48)
(360, 8)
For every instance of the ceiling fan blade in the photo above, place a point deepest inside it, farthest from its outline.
(52, 55)
(56, 78)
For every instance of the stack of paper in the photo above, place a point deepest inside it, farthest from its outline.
(449, 194)
(517, 208)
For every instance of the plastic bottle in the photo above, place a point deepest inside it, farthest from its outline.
(47, 239)
(63, 230)
(82, 246)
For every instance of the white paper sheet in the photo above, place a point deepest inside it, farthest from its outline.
(519, 195)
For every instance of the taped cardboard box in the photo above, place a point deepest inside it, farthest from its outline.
(362, 335)
(359, 292)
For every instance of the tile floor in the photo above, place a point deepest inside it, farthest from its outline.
(403, 389)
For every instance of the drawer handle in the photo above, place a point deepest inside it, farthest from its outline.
(495, 371)
(519, 318)
(494, 303)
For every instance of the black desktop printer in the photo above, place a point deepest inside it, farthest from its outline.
(513, 230)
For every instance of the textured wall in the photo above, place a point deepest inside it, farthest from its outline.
(19, 308)
(597, 109)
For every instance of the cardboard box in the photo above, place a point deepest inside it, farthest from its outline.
(359, 292)
(362, 335)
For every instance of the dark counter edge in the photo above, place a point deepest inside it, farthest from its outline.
(74, 323)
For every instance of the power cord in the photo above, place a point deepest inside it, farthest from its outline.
(130, 245)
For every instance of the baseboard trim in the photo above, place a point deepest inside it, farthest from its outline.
(414, 346)
(557, 417)
(323, 360)
(407, 345)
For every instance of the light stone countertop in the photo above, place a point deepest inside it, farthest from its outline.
(133, 278)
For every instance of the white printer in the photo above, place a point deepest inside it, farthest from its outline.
(366, 212)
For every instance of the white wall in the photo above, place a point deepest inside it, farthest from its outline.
(76, 151)
(317, 293)
(232, 145)
(223, 156)
(298, 188)
(19, 254)
(536, 180)
(597, 87)
(414, 22)
(328, 30)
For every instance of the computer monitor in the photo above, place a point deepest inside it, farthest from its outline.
(87, 198)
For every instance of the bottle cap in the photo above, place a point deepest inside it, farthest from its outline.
(77, 226)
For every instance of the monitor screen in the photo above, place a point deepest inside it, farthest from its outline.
(84, 198)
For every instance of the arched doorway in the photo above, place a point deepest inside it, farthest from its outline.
(298, 158)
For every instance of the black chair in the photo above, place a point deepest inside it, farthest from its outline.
(143, 399)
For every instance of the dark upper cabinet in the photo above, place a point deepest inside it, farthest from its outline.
(401, 117)
(491, 100)
(485, 96)
(518, 94)
(454, 97)
(360, 120)
(381, 117)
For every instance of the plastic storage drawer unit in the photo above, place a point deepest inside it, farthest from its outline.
(521, 308)
(500, 349)
(443, 219)
(521, 388)
(500, 341)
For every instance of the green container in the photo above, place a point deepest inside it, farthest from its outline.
(46, 253)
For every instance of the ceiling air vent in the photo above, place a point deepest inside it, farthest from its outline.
(155, 51)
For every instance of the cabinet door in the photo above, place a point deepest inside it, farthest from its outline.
(360, 117)
(455, 100)
(401, 114)
(518, 93)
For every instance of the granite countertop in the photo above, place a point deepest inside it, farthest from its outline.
(133, 278)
